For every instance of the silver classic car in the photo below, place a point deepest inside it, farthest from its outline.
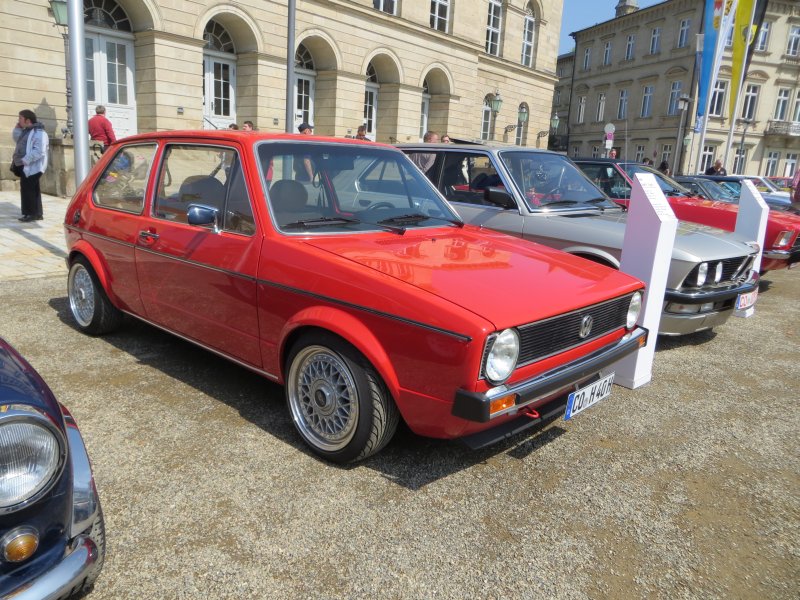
(543, 197)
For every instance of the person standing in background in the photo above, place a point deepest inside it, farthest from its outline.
(29, 162)
(248, 126)
(716, 168)
(361, 132)
(100, 129)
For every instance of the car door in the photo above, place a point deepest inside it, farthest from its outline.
(200, 280)
(463, 179)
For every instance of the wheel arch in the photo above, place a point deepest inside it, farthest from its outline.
(97, 263)
(346, 327)
(594, 255)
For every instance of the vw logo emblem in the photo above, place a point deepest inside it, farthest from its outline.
(586, 326)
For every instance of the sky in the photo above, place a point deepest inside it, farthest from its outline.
(580, 14)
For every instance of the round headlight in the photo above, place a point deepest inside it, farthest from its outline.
(718, 272)
(30, 457)
(634, 308)
(502, 358)
(702, 273)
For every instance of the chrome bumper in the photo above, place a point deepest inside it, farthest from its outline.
(716, 295)
(474, 406)
(59, 581)
(791, 256)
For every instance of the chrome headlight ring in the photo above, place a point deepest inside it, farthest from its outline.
(501, 356)
(634, 309)
(33, 452)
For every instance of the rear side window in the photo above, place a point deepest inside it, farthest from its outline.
(124, 181)
(466, 176)
(206, 175)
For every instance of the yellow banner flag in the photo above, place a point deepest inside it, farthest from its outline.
(742, 38)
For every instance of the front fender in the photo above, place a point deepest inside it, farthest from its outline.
(347, 327)
(593, 254)
(81, 247)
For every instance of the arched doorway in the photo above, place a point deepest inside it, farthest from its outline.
(109, 62)
(219, 77)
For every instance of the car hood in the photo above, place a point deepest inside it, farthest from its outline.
(693, 241)
(21, 384)
(500, 278)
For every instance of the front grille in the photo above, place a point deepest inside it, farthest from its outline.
(733, 270)
(560, 333)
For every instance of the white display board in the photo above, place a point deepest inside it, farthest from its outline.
(646, 254)
(751, 223)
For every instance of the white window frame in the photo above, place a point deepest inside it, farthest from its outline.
(674, 93)
(528, 39)
(782, 104)
(304, 89)
(371, 109)
(666, 153)
(683, 33)
(439, 22)
(587, 58)
(211, 113)
(762, 41)
(750, 102)
(575, 151)
(622, 105)
(718, 95)
(486, 120)
(792, 159)
(655, 40)
(707, 157)
(771, 165)
(424, 113)
(740, 160)
(581, 109)
(639, 153)
(607, 53)
(796, 111)
(494, 27)
(630, 46)
(601, 106)
(647, 101)
(386, 6)
(793, 45)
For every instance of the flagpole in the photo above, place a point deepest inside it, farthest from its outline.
(740, 86)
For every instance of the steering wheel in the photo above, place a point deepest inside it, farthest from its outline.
(378, 205)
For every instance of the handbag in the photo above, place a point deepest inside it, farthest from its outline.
(17, 169)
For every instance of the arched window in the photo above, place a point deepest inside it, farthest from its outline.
(109, 62)
(425, 110)
(528, 37)
(306, 75)
(219, 77)
(371, 88)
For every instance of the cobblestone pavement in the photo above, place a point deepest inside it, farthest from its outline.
(35, 249)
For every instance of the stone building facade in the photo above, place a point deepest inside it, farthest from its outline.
(631, 70)
(397, 67)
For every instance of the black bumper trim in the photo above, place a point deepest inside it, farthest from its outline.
(474, 406)
(701, 297)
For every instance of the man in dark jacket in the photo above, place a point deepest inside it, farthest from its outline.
(716, 169)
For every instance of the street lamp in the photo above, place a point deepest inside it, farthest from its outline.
(496, 104)
(59, 8)
(554, 123)
(683, 105)
(522, 118)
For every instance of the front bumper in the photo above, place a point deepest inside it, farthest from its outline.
(65, 577)
(790, 257)
(474, 406)
(713, 295)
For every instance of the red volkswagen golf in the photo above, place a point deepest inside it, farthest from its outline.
(335, 268)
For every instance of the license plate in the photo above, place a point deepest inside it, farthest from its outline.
(581, 399)
(746, 300)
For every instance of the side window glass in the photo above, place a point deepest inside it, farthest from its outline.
(124, 181)
(619, 185)
(192, 175)
(238, 209)
(466, 176)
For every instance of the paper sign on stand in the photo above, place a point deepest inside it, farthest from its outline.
(751, 223)
(646, 254)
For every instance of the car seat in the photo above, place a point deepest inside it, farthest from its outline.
(288, 195)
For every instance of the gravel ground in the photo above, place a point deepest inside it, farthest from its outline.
(685, 488)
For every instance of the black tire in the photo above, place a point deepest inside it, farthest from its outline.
(338, 403)
(90, 307)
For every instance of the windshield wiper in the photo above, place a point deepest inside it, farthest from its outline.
(416, 218)
(559, 203)
(320, 222)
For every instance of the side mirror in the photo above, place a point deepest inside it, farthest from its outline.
(499, 197)
(200, 214)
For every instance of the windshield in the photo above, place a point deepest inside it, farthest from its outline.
(331, 188)
(549, 180)
(734, 188)
(669, 186)
(763, 184)
(720, 193)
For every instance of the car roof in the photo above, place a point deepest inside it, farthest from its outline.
(244, 136)
(487, 146)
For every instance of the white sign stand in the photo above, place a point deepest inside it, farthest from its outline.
(751, 223)
(646, 254)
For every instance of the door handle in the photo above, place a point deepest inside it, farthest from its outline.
(148, 237)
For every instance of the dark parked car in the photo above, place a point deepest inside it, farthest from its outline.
(734, 184)
(52, 534)
(543, 197)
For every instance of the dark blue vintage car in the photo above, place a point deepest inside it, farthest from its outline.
(52, 534)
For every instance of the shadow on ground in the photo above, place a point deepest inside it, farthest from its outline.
(409, 460)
